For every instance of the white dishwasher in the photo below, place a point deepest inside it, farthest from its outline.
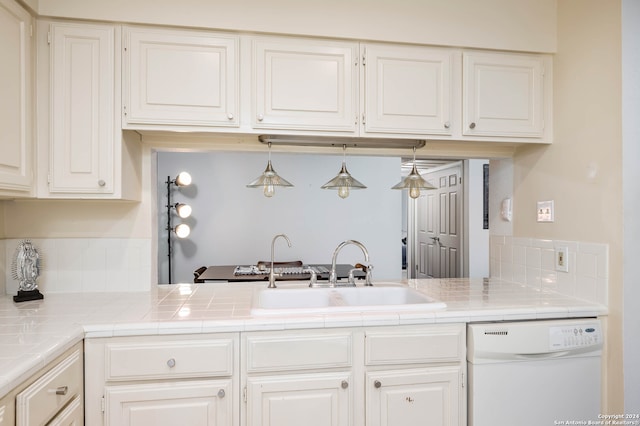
(534, 373)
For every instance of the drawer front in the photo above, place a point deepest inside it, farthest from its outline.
(71, 415)
(415, 346)
(169, 359)
(298, 352)
(40, 402)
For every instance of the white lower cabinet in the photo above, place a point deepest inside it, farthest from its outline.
(207, 402)
(163, 380)
(53, 396)
(300, 399)
(399, 375)
(392, 376)
(425, 396)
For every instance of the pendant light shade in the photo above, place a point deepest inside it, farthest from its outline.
(269, 179)
(343, 181)
(414, 182)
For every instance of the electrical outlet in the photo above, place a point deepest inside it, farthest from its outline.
(562, 259)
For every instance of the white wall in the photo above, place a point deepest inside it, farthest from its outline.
(476, 236)
(497, 24)
(232, 224)
(631, 201)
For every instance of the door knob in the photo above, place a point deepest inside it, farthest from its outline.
(377, 384)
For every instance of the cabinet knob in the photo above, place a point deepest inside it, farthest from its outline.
(344, 384)
(221, 393)
(101, 182)
(230, 116)
(171, 363)
(260, 117)
(472, 125)
(447, 125)
(377, 384)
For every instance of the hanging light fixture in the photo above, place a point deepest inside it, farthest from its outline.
(413, 182)
(343, 181)
(269, 179)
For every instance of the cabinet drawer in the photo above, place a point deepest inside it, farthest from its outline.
(71, 415)
(415, 346)
(169, 359)
(39, 402)
(295, 352)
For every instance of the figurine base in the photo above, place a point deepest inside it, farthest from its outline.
(24, 296)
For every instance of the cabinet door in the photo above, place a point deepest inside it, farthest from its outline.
(180, 78)
(407, 89)
(15, 98)
(322, 399)
(503, 94)
(305, 84)
(416, 397)
(82, 109)
(197, 403)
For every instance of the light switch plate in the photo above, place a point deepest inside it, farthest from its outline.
(562, 259)
(545, 211)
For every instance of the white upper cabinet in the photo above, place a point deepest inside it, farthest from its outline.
(16, 140)
(407, 89)
(180, 78)
(505, 95)
(82, 113)
(87, 154)
(304, 84)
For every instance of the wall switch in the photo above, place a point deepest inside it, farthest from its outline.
(562, 259)
(544, 211)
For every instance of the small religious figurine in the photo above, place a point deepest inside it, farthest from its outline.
(26, 269)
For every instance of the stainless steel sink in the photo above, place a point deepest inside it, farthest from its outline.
(379, 298)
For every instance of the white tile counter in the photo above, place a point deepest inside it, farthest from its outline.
(33, 333)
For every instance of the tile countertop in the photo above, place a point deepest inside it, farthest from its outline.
(33, 333)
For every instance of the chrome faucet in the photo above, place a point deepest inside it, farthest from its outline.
(272, 277)
(333, 277)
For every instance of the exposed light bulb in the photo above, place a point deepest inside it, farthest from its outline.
(182, 230)
(183, 179)
(269, 190)
(414, 192)
(343, 191)
(183, 210)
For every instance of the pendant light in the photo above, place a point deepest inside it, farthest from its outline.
(343, 181)
(414, 182)
(269, 179)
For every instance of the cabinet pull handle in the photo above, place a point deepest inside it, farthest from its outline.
(260, 117)
(447, 125)
(472, 125)
(62, 390)
(171, 363)
(377, 384)
(101, 182)
(221, 393)
(230, 116)
(344, 384)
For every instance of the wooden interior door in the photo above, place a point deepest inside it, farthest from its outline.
(438, 225)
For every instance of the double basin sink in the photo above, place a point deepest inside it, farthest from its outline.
(304, 301)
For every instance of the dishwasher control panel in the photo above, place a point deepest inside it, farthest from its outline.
(574, 336)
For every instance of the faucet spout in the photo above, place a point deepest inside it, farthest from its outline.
(272, 277)
(333, 277)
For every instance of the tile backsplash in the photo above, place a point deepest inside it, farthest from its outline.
(531, 261)
(86, 264)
